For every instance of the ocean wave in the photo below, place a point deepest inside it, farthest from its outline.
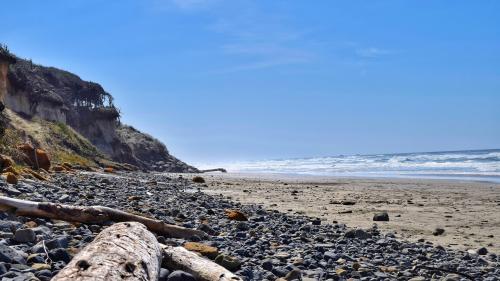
(480, 163)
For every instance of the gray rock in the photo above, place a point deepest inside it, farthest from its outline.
(482, 251)
(242, 226)
(26, 235)
(9, 255)
(19, 276)
(384, 216)
(361, 234)
(267, 265)
(60, 255)
(9, 226)
(42, 230)
(438, 231)
(43, 274)
(58, 242)
(64, 198)
(11, 191)
(3, 268)
(452, 277)
(163, 275)
(180, 276)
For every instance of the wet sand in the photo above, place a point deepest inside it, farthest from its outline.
(469, 212)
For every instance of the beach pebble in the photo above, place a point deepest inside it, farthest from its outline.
(163, 275)
(9, 255)
(384, 216)
(179, 275)
(452, 277)
(25, 235)
(60, 255)
(482, 251)
(438, 231)
(230, 263)
(267, 264)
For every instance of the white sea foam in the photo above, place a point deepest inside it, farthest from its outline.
(474, 165)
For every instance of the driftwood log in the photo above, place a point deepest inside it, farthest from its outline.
(222, 170)
(92, 215)
(123, 251)
(201, 268)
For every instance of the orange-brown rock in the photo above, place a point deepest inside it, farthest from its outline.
(36, 158)
(389, 269)
(205, 250)
(236, 215)
(108, 170)
(31, 224)
(11, 178)
(5, 161)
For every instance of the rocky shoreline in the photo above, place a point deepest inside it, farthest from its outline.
(267, 246)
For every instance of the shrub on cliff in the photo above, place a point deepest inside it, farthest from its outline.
(5, 54)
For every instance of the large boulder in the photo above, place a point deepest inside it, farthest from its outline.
(36, 158)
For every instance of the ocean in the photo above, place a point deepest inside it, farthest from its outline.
(477, 165)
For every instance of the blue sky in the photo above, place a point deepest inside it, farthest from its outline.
(224, 80)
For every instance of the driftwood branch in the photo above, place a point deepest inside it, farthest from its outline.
(92, 215)
(222, 170)
(123, 251)
(201, 268)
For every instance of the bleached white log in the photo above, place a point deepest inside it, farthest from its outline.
(201, 268)
(123, 251)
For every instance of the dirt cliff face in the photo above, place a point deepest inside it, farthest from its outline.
(4, 68)
(6, 58)
(52, 94)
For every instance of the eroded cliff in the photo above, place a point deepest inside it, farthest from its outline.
(35, 92)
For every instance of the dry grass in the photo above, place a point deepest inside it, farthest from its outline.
(62, 143)
(8, 142)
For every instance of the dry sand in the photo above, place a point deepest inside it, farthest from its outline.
(468, 211)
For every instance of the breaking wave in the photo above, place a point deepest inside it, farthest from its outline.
(469, 165)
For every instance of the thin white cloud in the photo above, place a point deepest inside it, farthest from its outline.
(254, 39)
(192, 4)
(261, 65)
(372, 52)
(266, 49)
(259, 40)
(265, 55)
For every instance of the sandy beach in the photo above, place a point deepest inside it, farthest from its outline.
(467, 211)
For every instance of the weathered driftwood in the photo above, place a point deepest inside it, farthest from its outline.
(123, 251)
(92, 215)
(222, 170)
(201, 268)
